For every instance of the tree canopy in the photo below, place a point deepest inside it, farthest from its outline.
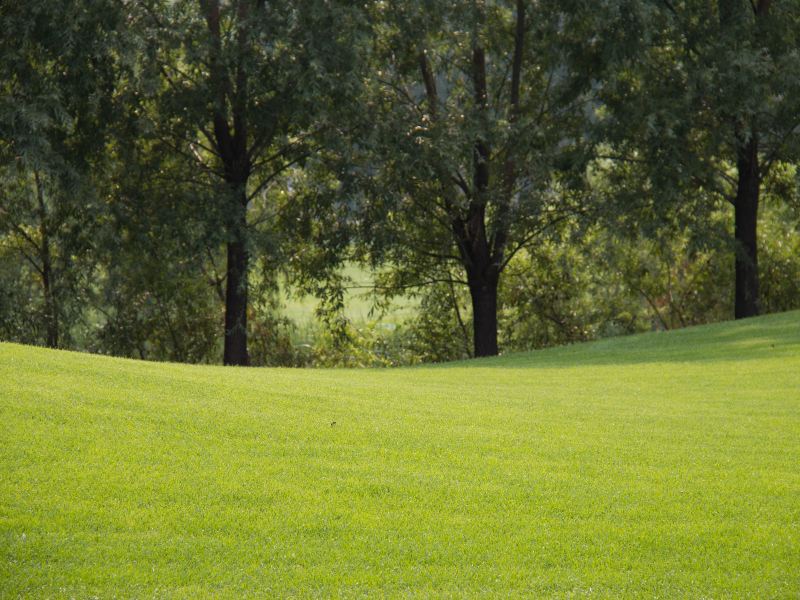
(514, 173)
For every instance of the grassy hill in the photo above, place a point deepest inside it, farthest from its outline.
(662, 465)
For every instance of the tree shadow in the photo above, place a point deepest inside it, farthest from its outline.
(766, 337)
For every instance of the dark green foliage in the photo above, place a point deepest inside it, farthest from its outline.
(242, 92)
(524, 174)
(475, 149)
(696, 112)
(780, 262)
(57, 73)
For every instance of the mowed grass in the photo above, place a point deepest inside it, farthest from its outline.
(663, 465)
(358, 303)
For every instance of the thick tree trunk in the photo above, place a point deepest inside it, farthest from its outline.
(50, 308)
(484, 315)
(230, 140)
(236, 293)
(746, 210)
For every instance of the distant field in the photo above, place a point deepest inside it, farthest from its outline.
(662, 465)
(358, 302)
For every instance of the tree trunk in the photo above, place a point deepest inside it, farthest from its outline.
(484, 315)
(50, 308)
(236, 292)
(746, 210)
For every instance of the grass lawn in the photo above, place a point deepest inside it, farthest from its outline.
(357, 301)
(663, 465)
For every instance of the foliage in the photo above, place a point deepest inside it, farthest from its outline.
(475, 128)
(780, 267)
(55, 109)
(696, 112)
(242, 92)
(544, 173)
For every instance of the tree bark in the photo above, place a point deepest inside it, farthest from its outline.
(481, 254)
(734, 19)
(230, 140)
(484, 315)
(51, 312)
(50, 307)
(235, 352)
(746, 223)
(481, 273)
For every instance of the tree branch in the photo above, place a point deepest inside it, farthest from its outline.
(430, 83)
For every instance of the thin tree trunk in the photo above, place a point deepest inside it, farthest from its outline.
(462, 326)
(236, 292)
(746, 217)
(484, 315)
(51, 312)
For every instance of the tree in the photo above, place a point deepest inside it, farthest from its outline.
(701, 110)
(760, 102)
(158, 292)
(477, 135)
(57, 77)
(245, 91)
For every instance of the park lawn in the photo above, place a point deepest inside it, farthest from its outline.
(662, 465)
(359, 303)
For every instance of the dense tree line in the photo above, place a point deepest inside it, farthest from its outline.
(524, 173)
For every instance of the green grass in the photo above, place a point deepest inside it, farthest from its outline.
(663, 465)
(358, 302)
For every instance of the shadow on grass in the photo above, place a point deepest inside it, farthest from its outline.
(770, 336)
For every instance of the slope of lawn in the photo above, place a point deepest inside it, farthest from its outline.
(664, 465)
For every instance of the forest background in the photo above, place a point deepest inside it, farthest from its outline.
(324, 183)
